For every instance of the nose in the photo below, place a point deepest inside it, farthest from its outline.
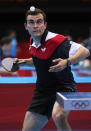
(35, 25)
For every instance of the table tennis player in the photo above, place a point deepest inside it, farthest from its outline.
(52, 55)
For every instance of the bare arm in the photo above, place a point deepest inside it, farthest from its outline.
(2, 70)
(80, 54)
(28, 61)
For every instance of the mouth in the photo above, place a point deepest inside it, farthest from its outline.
(36, 31)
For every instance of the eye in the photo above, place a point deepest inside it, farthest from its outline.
(39, 21)
(30, 22)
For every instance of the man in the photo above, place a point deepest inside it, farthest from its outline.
(12, 33)
(86, 64)
(5, 50)
(52, 55)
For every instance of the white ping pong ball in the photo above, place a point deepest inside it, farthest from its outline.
(32, 8)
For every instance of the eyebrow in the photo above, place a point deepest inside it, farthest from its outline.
(30, 20)
(33, 20)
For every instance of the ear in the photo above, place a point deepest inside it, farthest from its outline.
(25, 25)
(45, 24)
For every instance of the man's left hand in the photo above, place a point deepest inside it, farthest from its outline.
(62, 63)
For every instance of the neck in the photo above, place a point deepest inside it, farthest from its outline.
(37, 39)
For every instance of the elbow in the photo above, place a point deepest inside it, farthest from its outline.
(87, 52)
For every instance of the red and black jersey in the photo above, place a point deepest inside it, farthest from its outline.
(52, 46)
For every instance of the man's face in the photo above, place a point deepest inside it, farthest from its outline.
(6, 49)
(35, 25)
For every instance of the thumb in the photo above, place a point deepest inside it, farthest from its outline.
(15, 60)
(57, 60)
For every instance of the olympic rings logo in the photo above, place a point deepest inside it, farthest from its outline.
(80, 104)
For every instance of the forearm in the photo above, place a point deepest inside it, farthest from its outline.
(27, 61)
(81, 54)
(2, 70)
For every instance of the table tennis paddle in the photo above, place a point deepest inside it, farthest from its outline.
(9, 65)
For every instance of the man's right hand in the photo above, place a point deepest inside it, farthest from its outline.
(16, 60)
(27, 61)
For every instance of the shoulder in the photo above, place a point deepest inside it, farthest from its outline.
(54, 37)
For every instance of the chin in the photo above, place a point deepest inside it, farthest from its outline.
(37, 34)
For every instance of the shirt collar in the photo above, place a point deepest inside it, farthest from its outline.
(42, 38)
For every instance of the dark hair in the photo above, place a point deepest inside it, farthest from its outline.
(9, 32)
(5, 40)
(36, 12)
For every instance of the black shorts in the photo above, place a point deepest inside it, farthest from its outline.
(43, 103)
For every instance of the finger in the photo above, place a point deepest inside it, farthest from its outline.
(55, 70)
(54, 67)
(57, 60)
(15, 60)
(57, 67)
